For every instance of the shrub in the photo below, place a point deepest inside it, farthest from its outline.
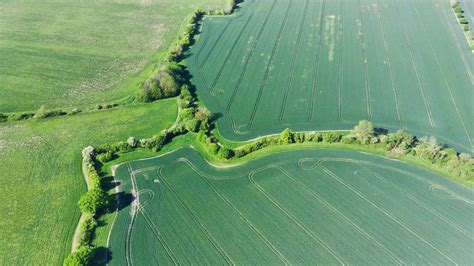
(75, 111)
(105, 157)
(154, 143)
(286, 137)
(213, 148)
(465, 28)
(41, 113)
(225, 153)
(192, 125)
(457, 9)
(202, 114)
(331, 137)
(87, 228)
(186, 114)
(399, 139)
(185, 93)
(94, 200)
(82, 256)
(3, 117)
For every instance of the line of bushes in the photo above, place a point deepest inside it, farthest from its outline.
(43, 113)
(462, 21)
(400, 143)
(92, 204)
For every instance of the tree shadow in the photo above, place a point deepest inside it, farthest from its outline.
(124, 200)
(380, 131)
(102, 256)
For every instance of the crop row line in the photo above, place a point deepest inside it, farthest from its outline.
(389, 63)
(201, 227)
(267, 70)
(220, 36)
(260, 235)
(413, 199)
(444, 78)
(295, 53)
(317, 61)
(158, 236)
(384, 211)
(341, 63)
(333, 209)
(295, 220)
(247, 59)
(366, 67)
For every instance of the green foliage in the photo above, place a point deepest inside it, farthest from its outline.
(192, 125)
(399, 140)
(82, 256)
(41, 113)
(132, 142)
(87, 230)
(213, 148)
(286, 137)
(331, 137)
(3, 117)
(186, 114)
(105, 157)
(363, 132)
(93, 201)
(225, 153)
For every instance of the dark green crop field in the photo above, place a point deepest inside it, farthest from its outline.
(302, 206)
(326, 64)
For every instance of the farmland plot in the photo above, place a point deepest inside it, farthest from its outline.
(327, 64)
(303, 206)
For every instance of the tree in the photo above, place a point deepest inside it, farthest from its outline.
(202, 114)
(363, 132)
(331, 137)
(93, 201)
(286, 137)
(82, 256)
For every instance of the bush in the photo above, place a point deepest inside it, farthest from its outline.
(225, 153)
(3, 117)
(192, 125)
(132, 142)
(457, 9)
(154, 143)
(105, 157)
(465, 28)
(93, 201)
(213, 148)
(186, 114)
(331, 137)
(75, 111)
(286, 137)
(41, 113)
(82, 256)
(87, 229)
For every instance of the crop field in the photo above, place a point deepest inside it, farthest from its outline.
(67, 53)
(327, 64)
(40, 169)
(302, 206)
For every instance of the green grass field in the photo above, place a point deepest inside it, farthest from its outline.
(40, 169)
(328, 64)
(301, 206)
(68, 53)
